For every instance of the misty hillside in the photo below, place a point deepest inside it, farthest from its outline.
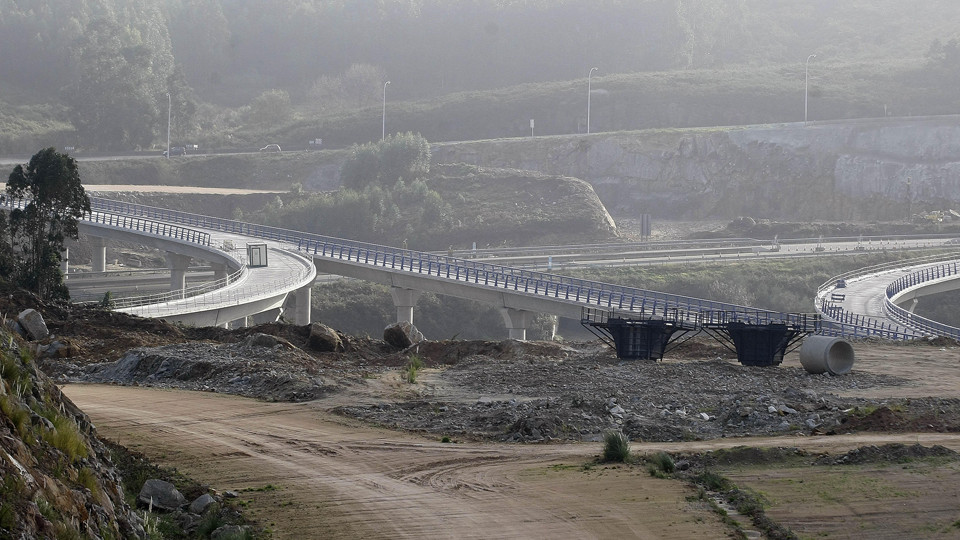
(97, 73)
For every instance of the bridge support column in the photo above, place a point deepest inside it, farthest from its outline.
(65, 262)
(98, 256)
(913, 305)
(404, 300)
(269, 316)
(645, 340)
(219, 271)
(517, 322)
(178, 270)
(301, 305)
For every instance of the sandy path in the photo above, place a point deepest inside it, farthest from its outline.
(341, 480)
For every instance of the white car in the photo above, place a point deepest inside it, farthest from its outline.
(271, 148)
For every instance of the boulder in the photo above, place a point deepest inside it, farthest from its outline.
(201, 503)
(163, 494)
(402, 335)
(324, 339)
(261, 340)
(32, 322)
(15, 327)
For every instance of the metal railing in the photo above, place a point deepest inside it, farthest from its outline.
(180, 294)
(584, 292)
(467, 271)
(926, 326)
(139, 224)
(847, 324)
(230, 291)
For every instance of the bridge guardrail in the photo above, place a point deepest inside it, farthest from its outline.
(578, 290)
(180, 294)
(860, 325)
(528, 281)
(130, 222)
(924, 275)
(213, 294)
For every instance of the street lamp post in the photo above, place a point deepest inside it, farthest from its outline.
(169, 107)
(806, 85)
(384, 113)
(589, 76)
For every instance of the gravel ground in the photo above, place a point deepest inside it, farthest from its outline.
(523, 391)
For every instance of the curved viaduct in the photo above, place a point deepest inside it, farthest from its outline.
(295, 257)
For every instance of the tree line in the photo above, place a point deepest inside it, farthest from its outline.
(119, 65)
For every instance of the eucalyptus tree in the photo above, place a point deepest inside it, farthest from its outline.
(53, 203)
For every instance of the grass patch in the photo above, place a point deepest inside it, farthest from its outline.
(87, 479)
(19, 416)
(661, 465)
(66, 437)
(412, 369)
(616, 447)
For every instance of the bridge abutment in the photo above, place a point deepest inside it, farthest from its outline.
(404, 300)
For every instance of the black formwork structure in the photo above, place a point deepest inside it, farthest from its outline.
(638, 337)
(756, 340)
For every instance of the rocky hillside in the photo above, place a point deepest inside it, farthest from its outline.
(58, 479)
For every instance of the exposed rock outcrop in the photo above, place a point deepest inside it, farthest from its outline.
(838, 170)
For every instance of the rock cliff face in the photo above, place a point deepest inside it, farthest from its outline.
(869, 169)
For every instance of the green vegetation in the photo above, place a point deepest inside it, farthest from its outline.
(413, 367)
(241, 77)
(31, 249)
(363, 308)
(616, 447)
(385, 198)
(661, 465)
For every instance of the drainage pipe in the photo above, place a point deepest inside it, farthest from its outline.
(825, 354)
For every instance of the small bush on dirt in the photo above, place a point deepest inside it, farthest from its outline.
(212, 520)
(713, 481)
(616, 447)
(661, 465)
(414, 365)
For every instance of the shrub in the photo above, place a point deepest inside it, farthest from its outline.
(616, 447)
(414, 365)
(661, 464)
(212, 520)
(713, 481)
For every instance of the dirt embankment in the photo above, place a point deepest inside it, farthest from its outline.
(461, 473)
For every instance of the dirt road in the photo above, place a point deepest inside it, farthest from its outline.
(329, 479)
(308, 474)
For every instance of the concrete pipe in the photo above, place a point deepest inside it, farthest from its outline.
(825, 354)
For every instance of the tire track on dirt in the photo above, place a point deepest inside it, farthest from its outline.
(344, 481)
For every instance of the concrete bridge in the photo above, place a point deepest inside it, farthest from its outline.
(880, 300)
(293, 258)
